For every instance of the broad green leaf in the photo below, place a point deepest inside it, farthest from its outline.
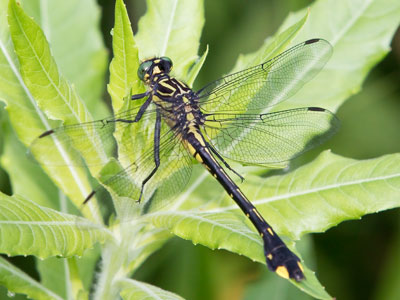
(73, 31)
(172, 28)
(16, 281)
(30, 229)
(44, 84)
(39, 70)
(337, 188)
(13, 91)
(358, 42)
(136, 290)
(125, 63)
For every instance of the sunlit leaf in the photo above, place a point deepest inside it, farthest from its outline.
(29, 229)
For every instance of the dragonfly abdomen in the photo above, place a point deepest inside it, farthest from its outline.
(279, 258)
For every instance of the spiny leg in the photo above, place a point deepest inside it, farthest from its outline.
(138, 116)
(157, 132)
(139, 96)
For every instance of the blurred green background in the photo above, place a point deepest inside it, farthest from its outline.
(355, 260)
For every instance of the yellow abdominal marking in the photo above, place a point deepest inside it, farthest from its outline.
(282, 271)
(198, 158)
(269, 256)
(258, 214)
(190, 117)
(270, 231)
(300, 266)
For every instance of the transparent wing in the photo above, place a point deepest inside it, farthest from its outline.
(269, 138)
(170, 178)
(85, 139)
(269, 83)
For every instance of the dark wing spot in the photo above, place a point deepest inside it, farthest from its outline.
(316, 109)
(312, 41)
(46, 133)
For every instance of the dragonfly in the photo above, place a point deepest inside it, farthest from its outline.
(231, 118)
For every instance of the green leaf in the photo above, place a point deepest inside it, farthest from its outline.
(39, 70)
(43, 83)
(73, 31)
(136, 290)
(172, 28)
(338, 188)
(125, 63)
(360, 32)
(30, 229)
(17, 281)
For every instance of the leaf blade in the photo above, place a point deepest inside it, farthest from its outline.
(30, 229)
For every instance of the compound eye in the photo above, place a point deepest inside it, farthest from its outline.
(143, 69)
(166, 63)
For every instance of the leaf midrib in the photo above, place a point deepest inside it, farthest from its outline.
(309, 191)
(169, 29)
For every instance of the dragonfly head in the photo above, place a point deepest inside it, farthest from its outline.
(154, 66)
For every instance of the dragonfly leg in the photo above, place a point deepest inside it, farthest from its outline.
(139, 114)
(223, 161)
(157, 131)
(139, 96)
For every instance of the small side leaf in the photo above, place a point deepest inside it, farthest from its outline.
(195, 69)
(125, 63)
